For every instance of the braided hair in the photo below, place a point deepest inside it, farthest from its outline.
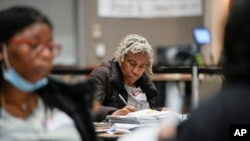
(135, 44)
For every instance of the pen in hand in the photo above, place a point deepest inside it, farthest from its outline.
(125, 110)
(123, 100)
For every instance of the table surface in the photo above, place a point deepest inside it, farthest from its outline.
(107, 135)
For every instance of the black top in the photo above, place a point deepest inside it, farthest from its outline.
(211, 121)
(109, 80)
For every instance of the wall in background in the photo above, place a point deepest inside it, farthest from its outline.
(158, 31)
(75, 21)
(63, 16)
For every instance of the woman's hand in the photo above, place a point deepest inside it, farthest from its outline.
(125, 110)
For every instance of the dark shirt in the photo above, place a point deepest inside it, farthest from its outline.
(212, 120)
(109, 80)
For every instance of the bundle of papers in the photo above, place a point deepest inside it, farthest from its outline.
(143, 117)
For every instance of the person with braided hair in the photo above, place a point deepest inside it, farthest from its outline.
(123, 83)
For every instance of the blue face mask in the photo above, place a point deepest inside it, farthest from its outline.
(18, 81)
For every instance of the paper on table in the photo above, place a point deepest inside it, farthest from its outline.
(152, 113)
(125, 126)
(101, 124)
(145, 117)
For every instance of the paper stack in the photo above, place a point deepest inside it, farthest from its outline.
(143, 117)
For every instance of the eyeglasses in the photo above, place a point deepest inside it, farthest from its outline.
(39, 47)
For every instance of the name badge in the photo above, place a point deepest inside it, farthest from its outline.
(139, 96)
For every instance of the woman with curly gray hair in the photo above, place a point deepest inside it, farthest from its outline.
(135, 44)
(123, 84)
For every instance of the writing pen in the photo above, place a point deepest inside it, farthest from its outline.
(124, 101)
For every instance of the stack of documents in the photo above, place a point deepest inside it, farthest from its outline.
(143, 117)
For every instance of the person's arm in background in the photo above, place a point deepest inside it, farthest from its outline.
(100, 76)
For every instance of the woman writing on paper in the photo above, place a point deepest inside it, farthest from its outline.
(123, 83)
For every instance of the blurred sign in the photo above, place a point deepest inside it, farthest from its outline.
(149, 8)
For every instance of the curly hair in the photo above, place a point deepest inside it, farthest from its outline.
(135, 44)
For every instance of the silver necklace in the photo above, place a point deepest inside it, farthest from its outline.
(24, 106)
